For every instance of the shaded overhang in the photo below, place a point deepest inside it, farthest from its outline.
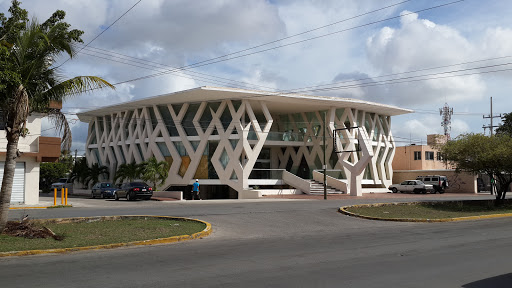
(277, 103)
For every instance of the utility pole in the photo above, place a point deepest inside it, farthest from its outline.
(325, 163)
(491, 116)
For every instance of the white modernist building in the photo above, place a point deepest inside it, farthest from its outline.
(233, 140)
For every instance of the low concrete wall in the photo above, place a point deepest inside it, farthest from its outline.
(169, 194)
(331, 181)
(296, 182)
(457, 182)
(165, 194)
(255, 194)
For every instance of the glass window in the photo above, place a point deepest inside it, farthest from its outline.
(417, 155)
(429, 155)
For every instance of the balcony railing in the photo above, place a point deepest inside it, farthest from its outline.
(279, 136)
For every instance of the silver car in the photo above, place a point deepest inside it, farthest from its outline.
(415, 186)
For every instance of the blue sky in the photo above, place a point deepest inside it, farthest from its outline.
(181, 32)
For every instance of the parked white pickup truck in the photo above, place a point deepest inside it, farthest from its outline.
(415, 186)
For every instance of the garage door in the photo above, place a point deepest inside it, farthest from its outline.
(18, 186)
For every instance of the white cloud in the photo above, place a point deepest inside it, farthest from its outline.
(419, 44)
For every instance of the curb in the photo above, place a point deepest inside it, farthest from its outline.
(206, 232)
(40, 207)
(343, 210)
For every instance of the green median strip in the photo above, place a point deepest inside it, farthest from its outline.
(104, 232)
(440, 211)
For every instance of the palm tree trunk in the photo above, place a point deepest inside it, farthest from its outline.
(16, 121)
(7, 181)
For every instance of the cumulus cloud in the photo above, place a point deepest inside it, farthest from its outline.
(419, 44)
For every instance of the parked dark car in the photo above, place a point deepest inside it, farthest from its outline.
(134, 190)
(103, 190)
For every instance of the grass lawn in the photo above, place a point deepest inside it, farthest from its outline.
(432, 210)
(99, 232)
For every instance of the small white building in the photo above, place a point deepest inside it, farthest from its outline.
(33, 149)
(239, 139)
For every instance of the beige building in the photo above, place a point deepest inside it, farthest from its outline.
(421, 157)
(420, 160)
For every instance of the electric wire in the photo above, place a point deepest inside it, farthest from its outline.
(104, 30)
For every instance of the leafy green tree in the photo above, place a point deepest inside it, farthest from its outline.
(477, 153)
(505, 128)
(155, 172)
(128, 172)
(95, 173)
(28, 80)
(48, 172)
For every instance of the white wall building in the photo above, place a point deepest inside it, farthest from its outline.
(33, 149)
(238, 138)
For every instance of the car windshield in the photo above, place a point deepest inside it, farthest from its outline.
(419, 182)
(63, 180)
(138, 184)
(106, 185)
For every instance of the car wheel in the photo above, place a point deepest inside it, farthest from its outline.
(441, 191)
(394, 190)
(424, 191)
(102, 195)
(116, 197)
(92, 195)
(129, 196)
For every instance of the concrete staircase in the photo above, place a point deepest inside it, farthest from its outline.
(318, 188)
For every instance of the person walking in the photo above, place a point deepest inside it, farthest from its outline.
(195, 190)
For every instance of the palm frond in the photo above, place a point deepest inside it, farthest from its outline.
(58, 119)
(77, 85)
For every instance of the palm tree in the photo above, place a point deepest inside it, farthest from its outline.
(31, 83)
(80, 171)
(129, 171)
(155, 171)
(95, 172)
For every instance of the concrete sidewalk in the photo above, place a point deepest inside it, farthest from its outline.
(82, 198)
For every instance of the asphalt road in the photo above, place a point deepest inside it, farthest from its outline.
(275, 243)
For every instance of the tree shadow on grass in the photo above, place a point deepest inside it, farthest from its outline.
(500, 281)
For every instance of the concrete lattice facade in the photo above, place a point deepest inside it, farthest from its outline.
(238, 137)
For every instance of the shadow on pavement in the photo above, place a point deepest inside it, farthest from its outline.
(500, 281)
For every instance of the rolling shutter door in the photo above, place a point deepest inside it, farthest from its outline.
(18, 186)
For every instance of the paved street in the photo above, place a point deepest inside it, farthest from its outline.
(278, 243)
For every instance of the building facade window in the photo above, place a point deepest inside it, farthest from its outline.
(439, 156)
(417, 155)
(429, 155)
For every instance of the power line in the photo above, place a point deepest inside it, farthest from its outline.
(172, 70)
(206, 77)
(385, 82)
(209, 62)
(102, 31)
(299, 90)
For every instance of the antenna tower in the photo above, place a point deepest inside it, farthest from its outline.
(446, 112)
